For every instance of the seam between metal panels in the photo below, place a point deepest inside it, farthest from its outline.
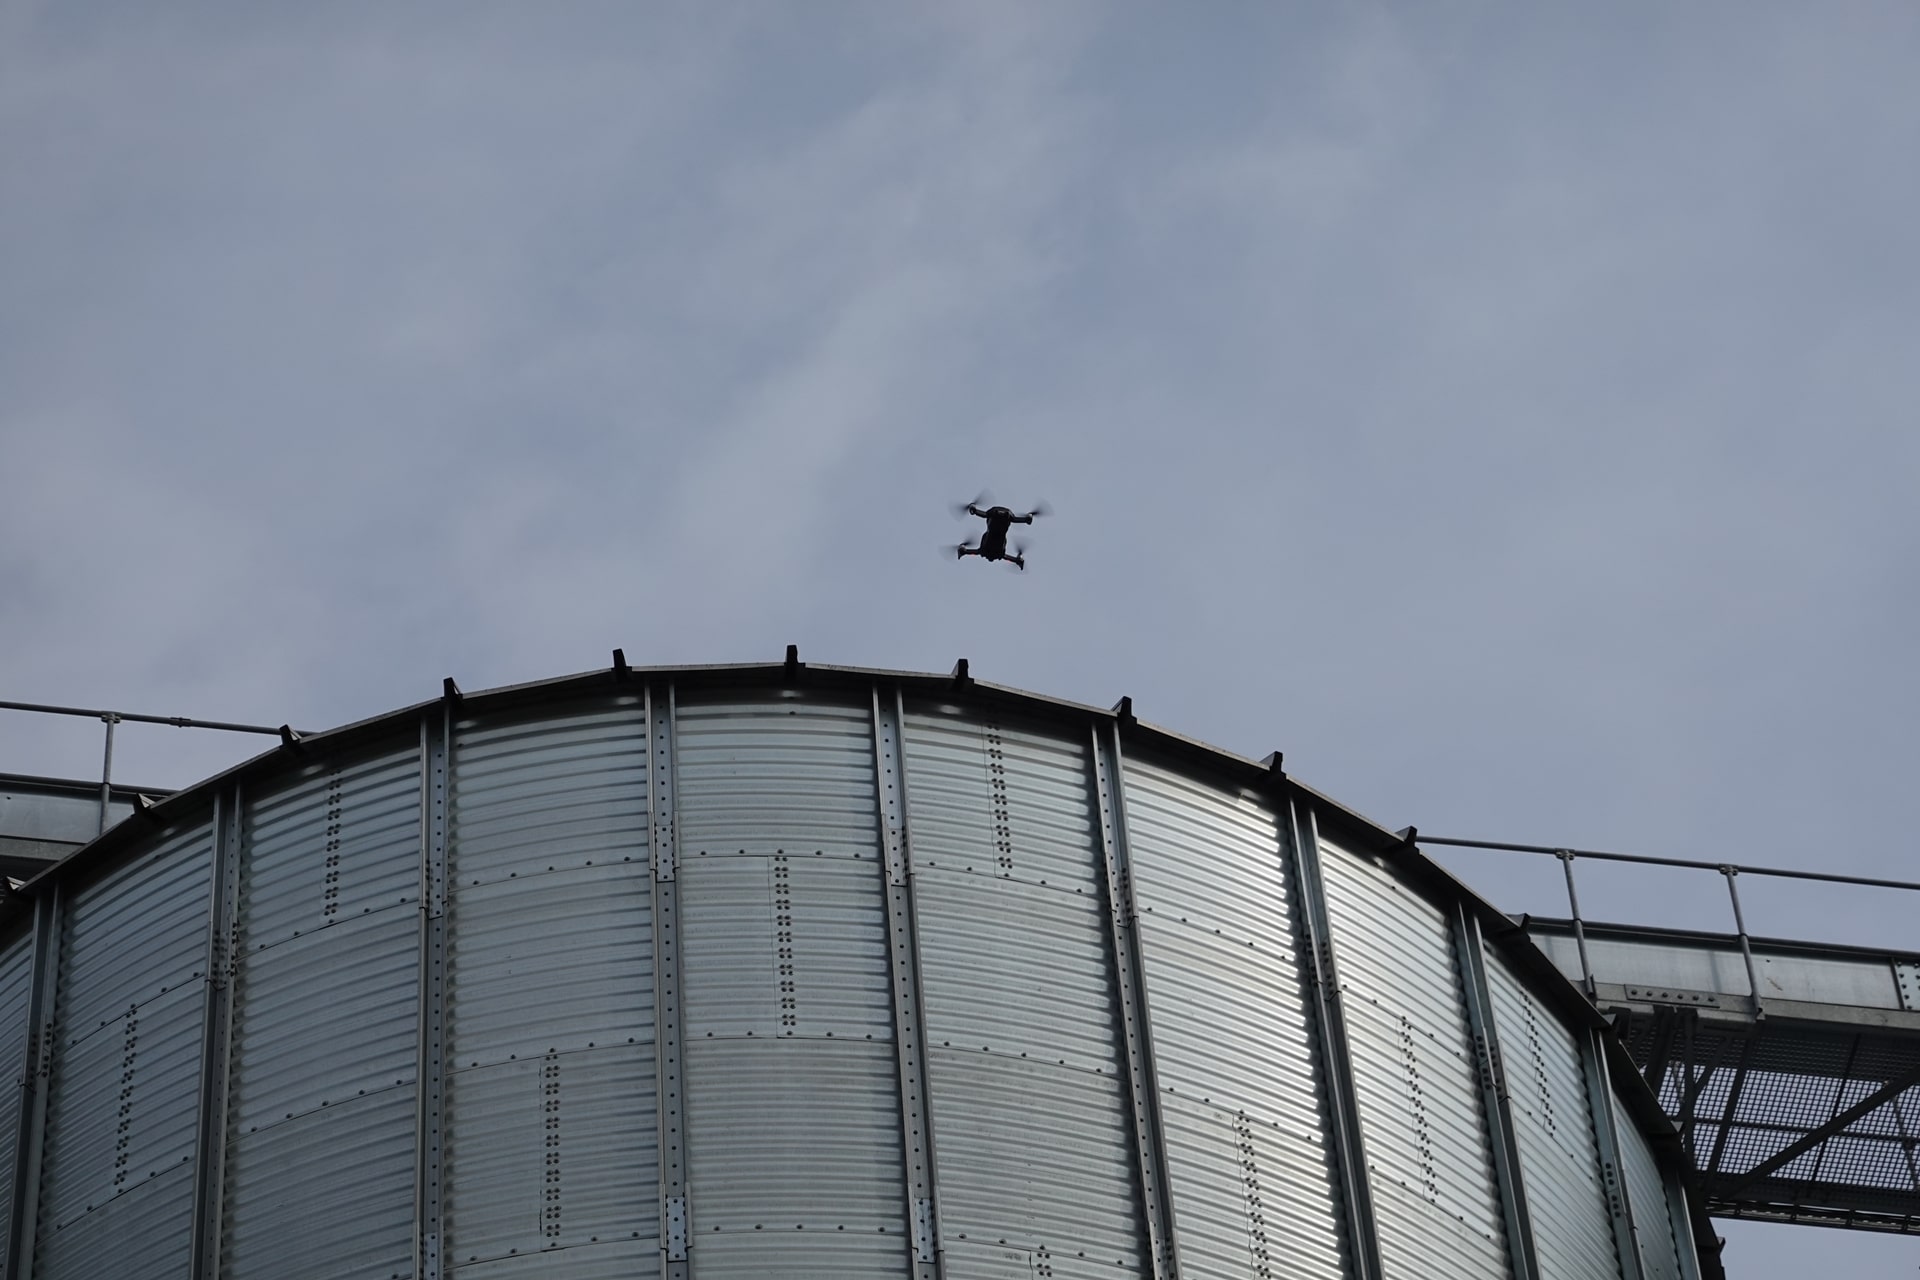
(25, 1208)
(1491, 1070)
(903, 946)
(1336, 1059)
(1613, 1174)
(216, 1047)
(436, 736)
(676, 1226)
(1123, 937)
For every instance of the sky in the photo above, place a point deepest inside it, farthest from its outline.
(1507, 411)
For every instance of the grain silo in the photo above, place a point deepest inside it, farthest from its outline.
(797, 971)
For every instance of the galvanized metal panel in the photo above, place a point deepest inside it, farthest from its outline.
(789, 773)
(603, 1260)
(1016, 969)
(136, 933)
(1231, 1030)
(800, 1255)
(1435, 1202)
(1553, 1128)
(552, 792)
(1249, 1205)
(552, 962)
(339, 841)
(1647, 1197)
(16, 991)
(325, 1196)
(553, 1153)
(140, 1235)
(1034, 1155)
(120, 1114)
(789, 945)
(323, 1019)
(793, 1135)
(999, 799)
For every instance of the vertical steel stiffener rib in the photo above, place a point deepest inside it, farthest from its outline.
(1470, 947)
(436, 736)
(216, 1046)
(903, 951)
(49, 909)
(1336, 1059)
(1613, 1174)
(1123, 921)
(676, 1226)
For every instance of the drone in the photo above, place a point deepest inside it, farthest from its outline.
(993, 543)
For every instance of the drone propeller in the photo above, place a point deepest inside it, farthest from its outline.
(959, 509)
(1041, 508)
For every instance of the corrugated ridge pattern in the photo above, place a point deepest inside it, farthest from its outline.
(553, 962)
(1003, 801)
(551, 792)
(1034, 1154)
(1230, 1027)
(1553, 1129)
(339, 842)
(323, 1019)
(1428, 1158)
(142, 1235)
(338, 1182)
(554, 1153)
(800, 1255)
(553, 1145)
(1017, 969)
(785, 774)
(122, 1107)
(786, 945)
(1017, 972)
(793, 1135)
(967, 1260)
(16, 989)
(626, 1259)
(137, 932)
(1646, 1193)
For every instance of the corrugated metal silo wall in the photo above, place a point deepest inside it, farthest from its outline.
(710, 984)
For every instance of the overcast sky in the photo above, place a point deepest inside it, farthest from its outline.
(1508, 411)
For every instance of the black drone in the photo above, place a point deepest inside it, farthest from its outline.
(993, 543)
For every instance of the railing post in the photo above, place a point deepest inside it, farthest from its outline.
(1746, 947)
(1579, 928)
(106, 772)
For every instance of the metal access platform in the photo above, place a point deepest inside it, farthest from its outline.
(1790, 1069)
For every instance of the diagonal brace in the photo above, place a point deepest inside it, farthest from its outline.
(1793, 1151)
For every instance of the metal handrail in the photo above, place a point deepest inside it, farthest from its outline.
(112, 718)
(1728, 870)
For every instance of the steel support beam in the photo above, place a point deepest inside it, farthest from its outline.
(1471, 950)
(1336, 1055)
(903, 950)
(436, 736)
(676, 1220)
(1880, 1097)
(216, 1044)
(49, 911)
(1613, 1176)
(1123, 937)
